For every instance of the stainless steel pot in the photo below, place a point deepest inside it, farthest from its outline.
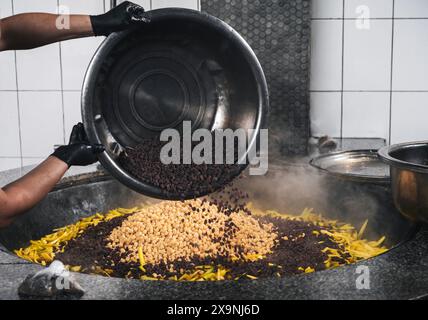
(409, 178)
(183, 66)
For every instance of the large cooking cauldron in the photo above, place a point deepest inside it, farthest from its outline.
(286, 189)
(183, 66)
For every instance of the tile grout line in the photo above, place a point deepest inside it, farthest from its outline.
(309, 81)
(369, 91)
(44, 90)
(385, 18)
(14, 157)
(62, 92)
(18, 105)
(313, 90)
(343, 70)
(62, 86)
(391, 73)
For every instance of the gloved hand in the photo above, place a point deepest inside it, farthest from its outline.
(79, 152)
(122, 17)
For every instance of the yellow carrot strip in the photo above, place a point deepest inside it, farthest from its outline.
(363, 228)
(141, 258)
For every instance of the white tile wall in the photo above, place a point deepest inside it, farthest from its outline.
(40, 104)
(410, 55)
(324, 9)
(376, 8)
(39, 69)
(32, 161)
(41, 122)
(9, 163)
(409, 114)
(76, 55)
(383, 71)
(7, 74)
(189, 4)
(326, 113)
(5, 8)
(326, 64)
(367, 60)
(91, 7)
(72, 113)
(366, 114)
(411, 8)
(9, 124)
(21, 6)
(7, 59)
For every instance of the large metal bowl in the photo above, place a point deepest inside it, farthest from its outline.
(409, 178)
(184, 65)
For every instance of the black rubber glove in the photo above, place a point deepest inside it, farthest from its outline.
(122, 17)
(79, 152)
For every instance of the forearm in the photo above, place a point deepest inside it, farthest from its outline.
(25, 193)
(31, 30)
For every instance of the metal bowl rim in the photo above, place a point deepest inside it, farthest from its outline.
(385, 154)
(352, 176)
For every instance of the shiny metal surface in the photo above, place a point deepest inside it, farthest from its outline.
(184, 65)
(357, 165)
(409, 178)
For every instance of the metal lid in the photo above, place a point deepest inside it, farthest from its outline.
(357, 165)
